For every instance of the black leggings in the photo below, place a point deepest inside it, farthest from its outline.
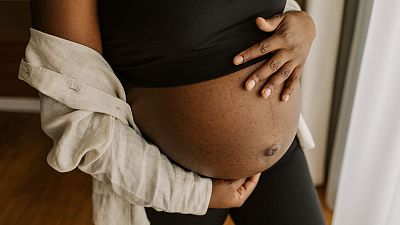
(285, 195)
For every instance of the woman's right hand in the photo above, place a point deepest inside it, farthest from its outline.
(232, 193)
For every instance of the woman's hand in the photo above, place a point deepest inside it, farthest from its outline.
(232, 193)
(290, 43)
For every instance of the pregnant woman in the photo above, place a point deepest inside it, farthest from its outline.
(216, 87)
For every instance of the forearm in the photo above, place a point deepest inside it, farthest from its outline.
(98, 143)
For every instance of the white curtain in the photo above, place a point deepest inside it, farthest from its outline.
(369, 182)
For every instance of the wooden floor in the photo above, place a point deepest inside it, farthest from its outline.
(31, 192)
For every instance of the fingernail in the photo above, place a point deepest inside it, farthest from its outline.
(285, 98)
(266, 93)
(238, 59)
(250, 84)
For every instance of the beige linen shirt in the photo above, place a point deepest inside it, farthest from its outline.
(84, 111)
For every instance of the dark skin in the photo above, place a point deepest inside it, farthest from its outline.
(78, 21)
(293, 35)
(72, 20)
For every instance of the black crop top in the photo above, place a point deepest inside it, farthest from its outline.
(177, 42)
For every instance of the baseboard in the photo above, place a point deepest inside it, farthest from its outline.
(19, 104)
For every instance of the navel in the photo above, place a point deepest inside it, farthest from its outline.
(272, 150)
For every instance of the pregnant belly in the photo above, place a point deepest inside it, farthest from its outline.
(217, 128)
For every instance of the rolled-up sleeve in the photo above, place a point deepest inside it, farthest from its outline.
(292, 5)
(79, 117)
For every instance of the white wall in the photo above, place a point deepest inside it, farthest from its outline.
(318, 79)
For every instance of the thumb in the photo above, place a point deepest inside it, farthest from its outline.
(271, 24)
(251, 182)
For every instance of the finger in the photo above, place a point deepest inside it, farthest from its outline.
(251, 182)
(270, 67)
(290, 85)
(277, 79)
(270, 24)
(248, 186)
(237, 183)
(271, 44)
(263, 47)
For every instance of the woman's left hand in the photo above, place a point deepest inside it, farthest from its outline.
(293, 35)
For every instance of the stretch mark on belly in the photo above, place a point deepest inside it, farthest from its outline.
(276, 147)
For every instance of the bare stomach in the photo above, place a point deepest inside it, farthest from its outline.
(217, 128)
